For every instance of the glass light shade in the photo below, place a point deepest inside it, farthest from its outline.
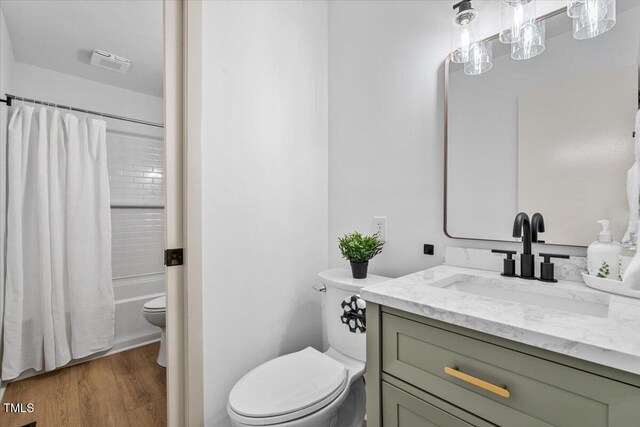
(596, 17)
(578, 8)
(531, 41)
(575, 8)
(514, 14)
(480, 59)
(463, 35)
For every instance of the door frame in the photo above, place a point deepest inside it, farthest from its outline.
(182, 92)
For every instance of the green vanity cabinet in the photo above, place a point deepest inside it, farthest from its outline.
(423, 372)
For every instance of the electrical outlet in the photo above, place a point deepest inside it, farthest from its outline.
(429, 249)
(380, 226)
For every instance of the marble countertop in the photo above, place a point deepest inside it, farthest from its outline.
(611, 340)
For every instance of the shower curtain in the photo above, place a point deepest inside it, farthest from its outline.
(58, 297)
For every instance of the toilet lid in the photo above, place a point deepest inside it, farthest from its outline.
(156, 304)
(305, 381)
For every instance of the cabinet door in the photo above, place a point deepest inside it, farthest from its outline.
(400, 409)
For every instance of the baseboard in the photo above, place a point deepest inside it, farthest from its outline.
(3, 388)
(118, 347)
(129, 344)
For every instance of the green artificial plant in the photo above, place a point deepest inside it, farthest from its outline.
(358, 248)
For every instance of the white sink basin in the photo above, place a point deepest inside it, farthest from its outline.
(531, 293)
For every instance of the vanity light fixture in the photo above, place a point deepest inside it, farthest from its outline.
(463, 31)
(520, 28)
(591, 17)
(513, 15)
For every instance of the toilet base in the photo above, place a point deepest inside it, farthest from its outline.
(162, 355)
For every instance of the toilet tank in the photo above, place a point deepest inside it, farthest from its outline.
(339, 285)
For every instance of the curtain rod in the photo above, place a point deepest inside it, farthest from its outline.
(137, 207)
(10, 98)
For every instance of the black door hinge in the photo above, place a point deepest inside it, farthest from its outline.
(173, 257)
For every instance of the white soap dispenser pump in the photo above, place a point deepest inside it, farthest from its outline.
(602, 254)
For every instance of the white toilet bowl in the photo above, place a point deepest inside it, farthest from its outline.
(303, 389)
(310, 388)
(155, 311)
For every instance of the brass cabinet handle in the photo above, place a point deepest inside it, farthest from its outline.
(500, 391)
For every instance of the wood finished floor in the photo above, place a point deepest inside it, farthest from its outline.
(122, 390)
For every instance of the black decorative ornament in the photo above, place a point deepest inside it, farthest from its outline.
(354, 311)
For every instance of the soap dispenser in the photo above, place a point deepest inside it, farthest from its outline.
(602, 254)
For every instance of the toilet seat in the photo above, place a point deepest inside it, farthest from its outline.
(155, 305)
(287, 388)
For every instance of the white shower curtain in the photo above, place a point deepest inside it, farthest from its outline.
(58, 301)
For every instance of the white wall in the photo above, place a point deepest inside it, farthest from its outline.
(40, 83)
(264, 200)
(386, 126)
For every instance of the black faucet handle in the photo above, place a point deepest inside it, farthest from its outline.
(508, 253)
(547, 268)
(501, 251)
(509, 264)
(547, 257)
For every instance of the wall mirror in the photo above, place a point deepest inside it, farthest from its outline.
(552, 134)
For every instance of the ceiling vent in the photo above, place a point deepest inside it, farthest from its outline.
(109, 61)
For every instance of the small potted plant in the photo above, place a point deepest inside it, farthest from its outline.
(359, 249)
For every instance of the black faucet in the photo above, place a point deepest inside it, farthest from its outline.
(537, 226)
(522, 228)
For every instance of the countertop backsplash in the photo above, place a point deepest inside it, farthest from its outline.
(483, 259)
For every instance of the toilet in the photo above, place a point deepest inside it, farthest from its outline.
(310, 388)
(155, 311)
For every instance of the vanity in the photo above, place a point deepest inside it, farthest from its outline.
(453, 346)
